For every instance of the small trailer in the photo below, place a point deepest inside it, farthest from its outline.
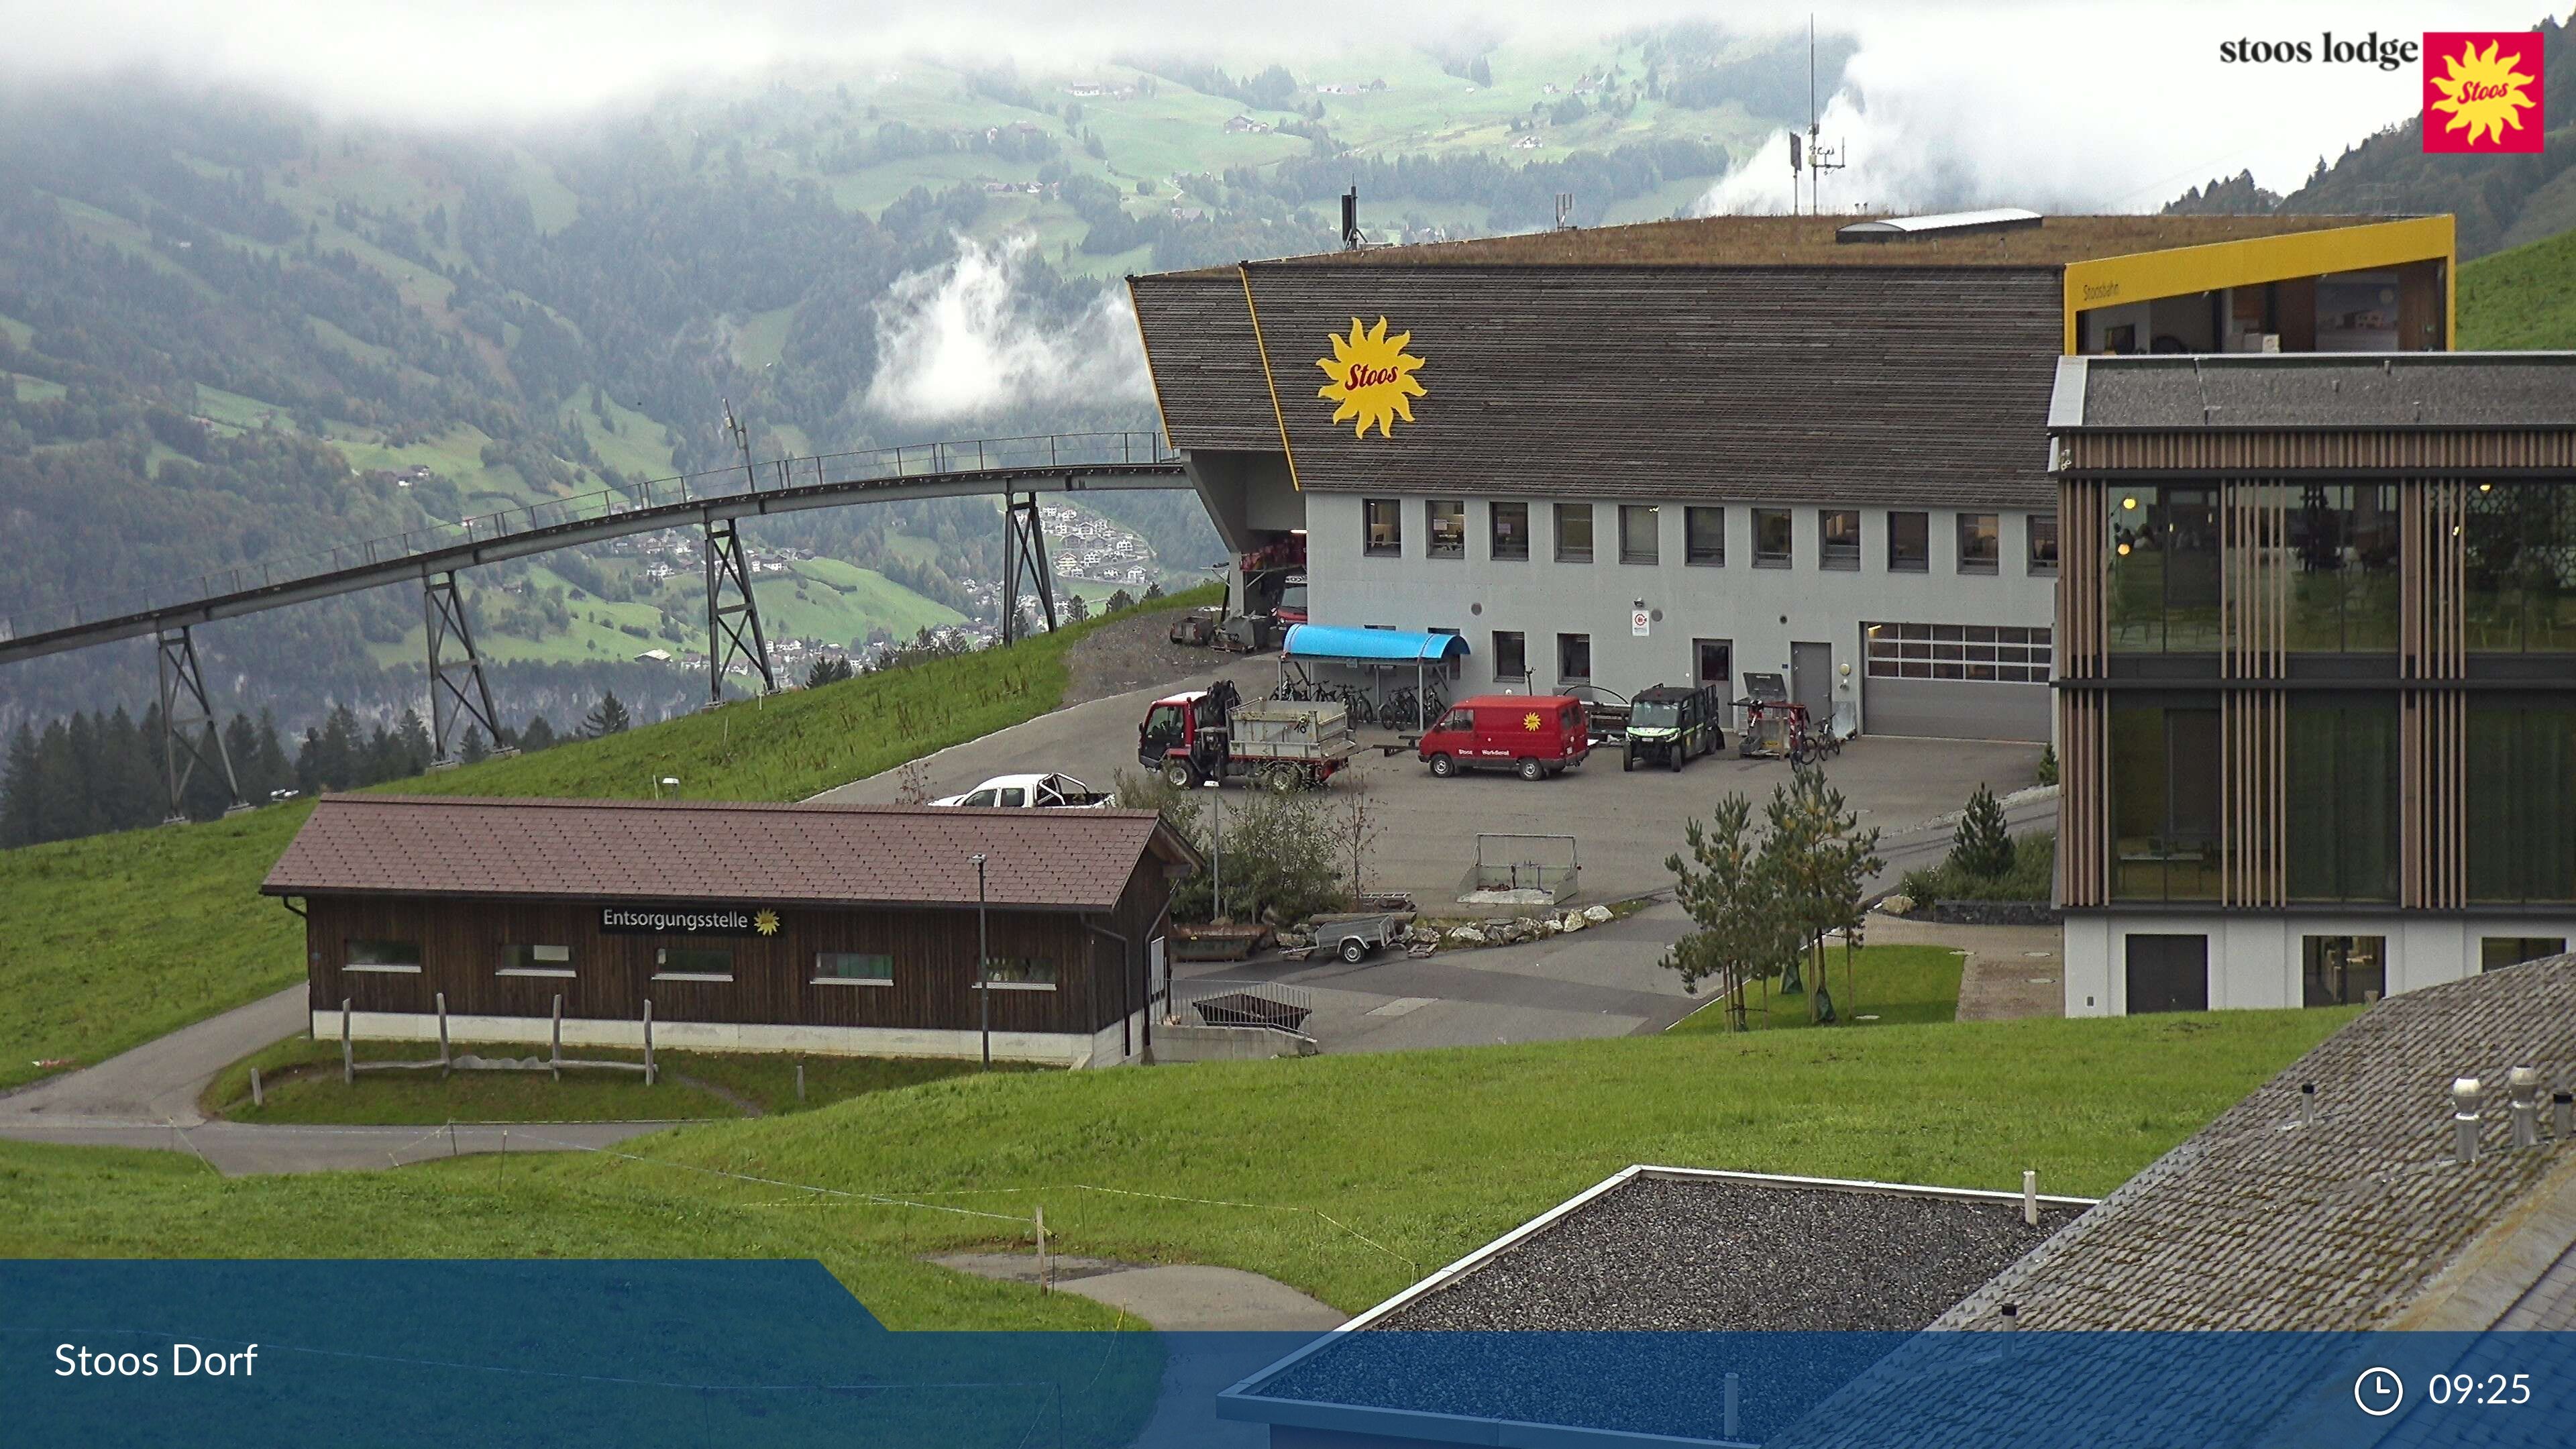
(1354, 938)
(1211, 734)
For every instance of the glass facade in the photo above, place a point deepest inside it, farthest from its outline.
(2342, 799)
(2343, 568)
(2520, 542)
(2163, 588)
(2164, 803)
(2522, 799)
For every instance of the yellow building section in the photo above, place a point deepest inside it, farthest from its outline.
(2185, 271)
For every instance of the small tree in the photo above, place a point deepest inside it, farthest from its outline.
(1075, 610)
(472, 750)
(2047, 774)
(912, 784)
(1730, 894)
(1984, 847)
(826, 671)
(607, 718)
(1356, 828)
(1822, 861)
(1121, 600)
(537, 736)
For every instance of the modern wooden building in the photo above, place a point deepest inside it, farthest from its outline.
(2317, 685)
(1687, 450)
(811, 928)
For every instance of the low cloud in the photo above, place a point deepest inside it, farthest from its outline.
(966, 340)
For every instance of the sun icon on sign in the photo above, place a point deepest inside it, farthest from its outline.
(765, 922)
(1530, 721)
(1372, 378)
(2483, 91)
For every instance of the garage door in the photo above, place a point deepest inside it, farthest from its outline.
(1956, 681)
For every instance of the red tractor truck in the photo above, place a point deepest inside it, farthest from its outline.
(1211, 734)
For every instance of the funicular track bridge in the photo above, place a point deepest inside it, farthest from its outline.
(1018, 470)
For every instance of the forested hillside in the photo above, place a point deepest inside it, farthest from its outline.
(233, 329)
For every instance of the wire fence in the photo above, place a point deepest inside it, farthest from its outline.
(718, 485)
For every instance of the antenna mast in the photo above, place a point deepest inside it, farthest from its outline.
(1820, 157)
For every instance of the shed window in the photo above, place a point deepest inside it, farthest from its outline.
(1019, 973)
(1511, 654)
(853, 968)
(523, 960)
(1510, 530)
(2043, 544)
(1909, 542)
(693, 963)
(1980, 543)
(1838, 538)
(1574, 533)
(401, 957)
(1574, 658)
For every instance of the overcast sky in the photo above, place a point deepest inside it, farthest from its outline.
(2114, 106)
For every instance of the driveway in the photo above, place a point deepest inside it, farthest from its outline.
(1623, 825)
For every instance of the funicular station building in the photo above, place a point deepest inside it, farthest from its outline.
(1684, 451)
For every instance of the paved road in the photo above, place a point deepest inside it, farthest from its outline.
(147, 1097)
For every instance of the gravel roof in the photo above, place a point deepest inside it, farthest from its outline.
(2329, 391)
(1738, 1253)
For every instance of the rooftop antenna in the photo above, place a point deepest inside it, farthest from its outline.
(1565, 211)
(1351, 218)
(1821, 158)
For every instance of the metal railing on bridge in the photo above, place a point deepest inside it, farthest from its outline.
(1042, 453)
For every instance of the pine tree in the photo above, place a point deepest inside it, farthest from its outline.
(1984, 846)
(412, 746)
(275, 773)
(472, 750)
(537, 736)
(18, 815)
(609, 718)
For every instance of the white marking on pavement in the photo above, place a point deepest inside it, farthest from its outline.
(1402, 1004)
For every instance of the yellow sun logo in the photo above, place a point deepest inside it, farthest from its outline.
(2483, 92)
(1372, 378)
(765, 922)
(1530, 720)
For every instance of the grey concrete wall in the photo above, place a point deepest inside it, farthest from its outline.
(1762, 610)
(1177, 1043)
(2256, 957)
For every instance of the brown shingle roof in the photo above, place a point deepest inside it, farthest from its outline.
(665, 850)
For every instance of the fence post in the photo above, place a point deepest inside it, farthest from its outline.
(648, 1041)
(255, 1099)
(555, 1061)
(348, 1057)
(444, 1063)
(1045, 1284)
(800, 1083)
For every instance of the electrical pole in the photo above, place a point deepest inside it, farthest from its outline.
(983, 965)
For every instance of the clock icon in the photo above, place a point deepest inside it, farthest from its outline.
(2379, 1391)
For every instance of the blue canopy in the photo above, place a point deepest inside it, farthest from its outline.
(1326, 641)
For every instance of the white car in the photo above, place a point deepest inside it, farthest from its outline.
(1030, 792)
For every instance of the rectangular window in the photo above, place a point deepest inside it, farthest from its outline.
(1510, 539)
(2342, 563)
(1838, 538)
(2520, 545)
(1641, 527)
(1573, 658)
(2342, 795)
(536, 961)
(1704, 536)
(1385, 519)
(2522, 800)
(693, 963)
(853, 968)
(2498, 952)
(2163, 586)
(1980, 543)
(1019, 973)
(1574, 533)
(1448, 521)
(1511, 655)
(2041, 560)
(2342, 970)
(1771, 546)
(400, 958)
(1909, 543)
(2164, 804)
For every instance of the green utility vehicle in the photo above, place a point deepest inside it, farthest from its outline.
(1668, 724)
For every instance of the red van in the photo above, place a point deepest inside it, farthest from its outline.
(1535, 734)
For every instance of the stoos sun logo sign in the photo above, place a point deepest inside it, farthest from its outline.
(2482, 92)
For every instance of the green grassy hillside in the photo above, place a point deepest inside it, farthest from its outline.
(1348, 1177)
(110, 941)
(2524, 298)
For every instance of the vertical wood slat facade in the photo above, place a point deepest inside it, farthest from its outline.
(2254, 606)
(2083, 867)
(2432, 739)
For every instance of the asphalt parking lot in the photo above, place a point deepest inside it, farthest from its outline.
(1623, 825)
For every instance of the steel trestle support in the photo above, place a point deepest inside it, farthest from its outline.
(445, 612)
(1024, 557)
(194, 738)
(733, 627)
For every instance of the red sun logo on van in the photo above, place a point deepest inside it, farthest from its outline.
(2482, 92)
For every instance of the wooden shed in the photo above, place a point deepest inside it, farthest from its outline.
(740, 926)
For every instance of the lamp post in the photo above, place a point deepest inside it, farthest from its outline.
(1216, 853)
(667, 782)
(983, 968)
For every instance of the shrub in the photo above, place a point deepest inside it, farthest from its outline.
(2048, 764)
(1984, 846)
